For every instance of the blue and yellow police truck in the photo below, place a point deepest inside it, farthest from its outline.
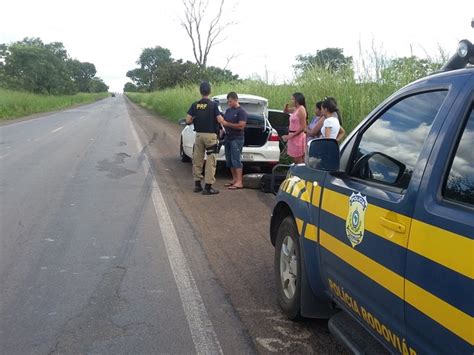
(377, 234)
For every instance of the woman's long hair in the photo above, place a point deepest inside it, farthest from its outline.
(330, 104)
(300, 99)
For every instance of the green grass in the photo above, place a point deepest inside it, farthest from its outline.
(355, 99)
(18, 104)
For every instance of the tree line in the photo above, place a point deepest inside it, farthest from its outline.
(158, 70)
(46, 68)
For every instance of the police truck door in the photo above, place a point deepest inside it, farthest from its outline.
(366, 212)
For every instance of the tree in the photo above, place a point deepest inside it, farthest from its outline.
(202, 29)
(32, 65)
(158, 70)
(179, 73)
(82, 74)
(401, 71)
(3, 50)
(97, 85)
(331, 59)
(130, 87)
(150, 60)
(41, 68)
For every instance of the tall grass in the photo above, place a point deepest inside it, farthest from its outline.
(355, 97)
(17, 104)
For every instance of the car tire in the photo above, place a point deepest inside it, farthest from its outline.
(252, 181)
(288, 268)
(182, 154)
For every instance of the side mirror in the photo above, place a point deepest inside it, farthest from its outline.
(380, 167)
(182, 122)
(323, 154)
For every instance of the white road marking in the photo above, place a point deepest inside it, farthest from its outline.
(200, 325)
(57, 129)
(3, 156)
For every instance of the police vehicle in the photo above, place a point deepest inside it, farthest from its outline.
(377, 234)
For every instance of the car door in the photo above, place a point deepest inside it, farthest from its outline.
(366, 211)
(279, 121)
(188, 135)
(439, 288)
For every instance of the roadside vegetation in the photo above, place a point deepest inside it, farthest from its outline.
(39, 77)
(18, 104)
(328, 73)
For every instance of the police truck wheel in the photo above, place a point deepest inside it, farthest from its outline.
(288, 268)
(182, 154)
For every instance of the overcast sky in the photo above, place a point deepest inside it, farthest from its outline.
(266, 38)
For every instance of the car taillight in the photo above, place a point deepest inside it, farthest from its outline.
(274, 137)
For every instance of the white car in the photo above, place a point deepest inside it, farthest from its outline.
(261, 144)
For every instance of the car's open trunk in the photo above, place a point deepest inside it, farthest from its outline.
(255, 136)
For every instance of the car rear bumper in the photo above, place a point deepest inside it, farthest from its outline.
(268, 153)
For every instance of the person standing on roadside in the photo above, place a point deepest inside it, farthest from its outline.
(234, 121)
(318, 115)
(205, 114)
(296, 136)
(332, 126)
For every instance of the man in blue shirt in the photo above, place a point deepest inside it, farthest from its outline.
(234, 122)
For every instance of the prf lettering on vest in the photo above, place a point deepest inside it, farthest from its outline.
(374, 323)
(201, 106)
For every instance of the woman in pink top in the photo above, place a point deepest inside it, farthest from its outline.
(296, 137)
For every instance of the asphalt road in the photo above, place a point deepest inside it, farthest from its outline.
(106, 249)
(89, 262)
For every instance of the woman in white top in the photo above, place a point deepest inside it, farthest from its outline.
(331, 127)
(317, 129)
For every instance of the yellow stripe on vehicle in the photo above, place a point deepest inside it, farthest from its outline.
(437, 309)
(310, 232)
(370, 268)
(448, 316)
(338, 205)
(446, 248)
(316, 199)
(299, 225)
(299, 186)
(306, 195)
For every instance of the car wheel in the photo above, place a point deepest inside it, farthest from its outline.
(288, 268)
(252, 181)
(182, 154)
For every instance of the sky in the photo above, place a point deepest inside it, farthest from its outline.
(263, 40)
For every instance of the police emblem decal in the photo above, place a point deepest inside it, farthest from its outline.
(355, 218)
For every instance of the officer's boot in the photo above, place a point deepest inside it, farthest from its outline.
(197, 187)
(208, 190)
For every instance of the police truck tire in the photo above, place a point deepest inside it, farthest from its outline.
(252, 181)
(182, 154)
(288, 268)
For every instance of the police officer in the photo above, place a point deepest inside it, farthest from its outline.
(204, 114)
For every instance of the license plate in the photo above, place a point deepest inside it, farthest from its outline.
(247, 156)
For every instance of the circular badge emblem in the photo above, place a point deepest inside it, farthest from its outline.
(355, 218)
